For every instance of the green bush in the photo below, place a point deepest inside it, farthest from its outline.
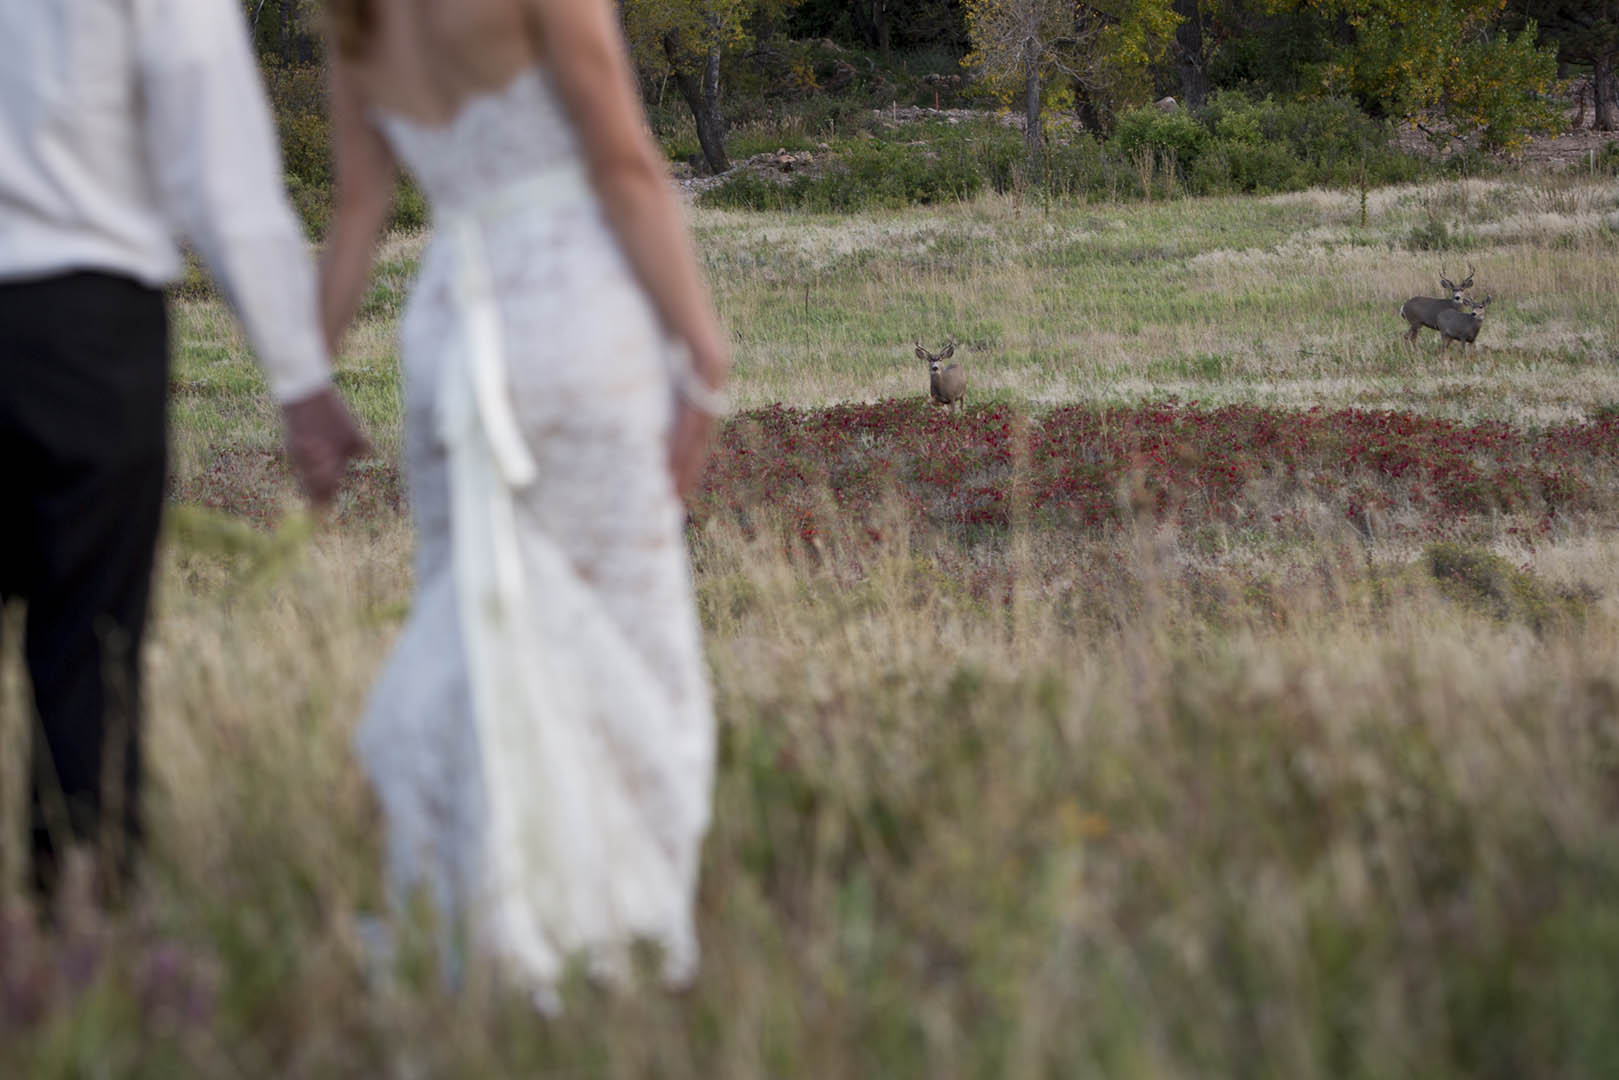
(1147, 128)
(1265, 167)
(1265, 145)
(1484, 581)
(1607, 159)
(297, 94)
(410, 209)
(746, 190)
(1237, 144)
(889, 174)
(312, 203)
(872, 173)
(1087, 169)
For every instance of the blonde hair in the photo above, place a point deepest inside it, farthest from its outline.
(353, 22)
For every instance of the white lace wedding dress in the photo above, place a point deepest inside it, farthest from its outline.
(541, 740)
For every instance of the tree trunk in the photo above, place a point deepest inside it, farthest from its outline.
(1194, 66)
(1090, 117)
(1602, 94)
(703, 99)
(1031, 96)
(872, 15)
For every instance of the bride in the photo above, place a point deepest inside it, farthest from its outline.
(541, 740)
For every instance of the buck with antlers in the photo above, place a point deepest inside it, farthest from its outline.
(947, 385)
(1420, 311)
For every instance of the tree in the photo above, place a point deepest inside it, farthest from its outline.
(882, 24)
(687, 40)
(1191, 54)
(283, 30)
(1096, 54)
(872, 18)
(1583, 32)
(1447, 57)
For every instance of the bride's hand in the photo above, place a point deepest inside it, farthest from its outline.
(688, 446)
(699, 399)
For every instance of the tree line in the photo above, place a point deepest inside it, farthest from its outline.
(1480, 70)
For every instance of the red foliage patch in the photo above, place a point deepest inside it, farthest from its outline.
(1087, 468)
(1076, 467)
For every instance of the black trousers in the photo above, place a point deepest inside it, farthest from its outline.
(83, 454)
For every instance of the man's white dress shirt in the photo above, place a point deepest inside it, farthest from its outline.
(126, 125)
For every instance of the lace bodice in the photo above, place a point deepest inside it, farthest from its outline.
(494, 141)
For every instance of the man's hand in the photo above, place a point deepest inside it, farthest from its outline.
(321, 438)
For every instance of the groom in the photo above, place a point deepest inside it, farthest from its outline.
(123, 125)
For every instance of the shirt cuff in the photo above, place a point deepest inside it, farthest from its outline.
(288, 392)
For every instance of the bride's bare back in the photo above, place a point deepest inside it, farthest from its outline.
(428, 57)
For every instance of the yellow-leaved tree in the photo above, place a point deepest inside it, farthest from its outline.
(687, 40)
(1450, 59)
(1097, 55)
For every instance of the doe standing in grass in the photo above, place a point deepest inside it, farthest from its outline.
(542, 739)
(122, 125)
(1462, 326)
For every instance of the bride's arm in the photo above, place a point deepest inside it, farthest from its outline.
(364, 194)
(582, 47)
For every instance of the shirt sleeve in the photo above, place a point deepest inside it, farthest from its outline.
(217, 172)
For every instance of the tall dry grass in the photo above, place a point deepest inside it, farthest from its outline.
(1349, 823)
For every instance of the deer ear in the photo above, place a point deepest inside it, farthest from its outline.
(949, 351)
(922, 354)
(1446, 283)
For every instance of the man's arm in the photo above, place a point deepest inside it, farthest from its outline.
(217, 171)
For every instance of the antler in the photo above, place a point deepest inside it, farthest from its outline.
(1468, 283)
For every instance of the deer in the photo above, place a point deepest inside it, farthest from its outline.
(1462, 326)
(1420, 311)
(947, 385)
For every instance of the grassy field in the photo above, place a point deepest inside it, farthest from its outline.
(1280, 762)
